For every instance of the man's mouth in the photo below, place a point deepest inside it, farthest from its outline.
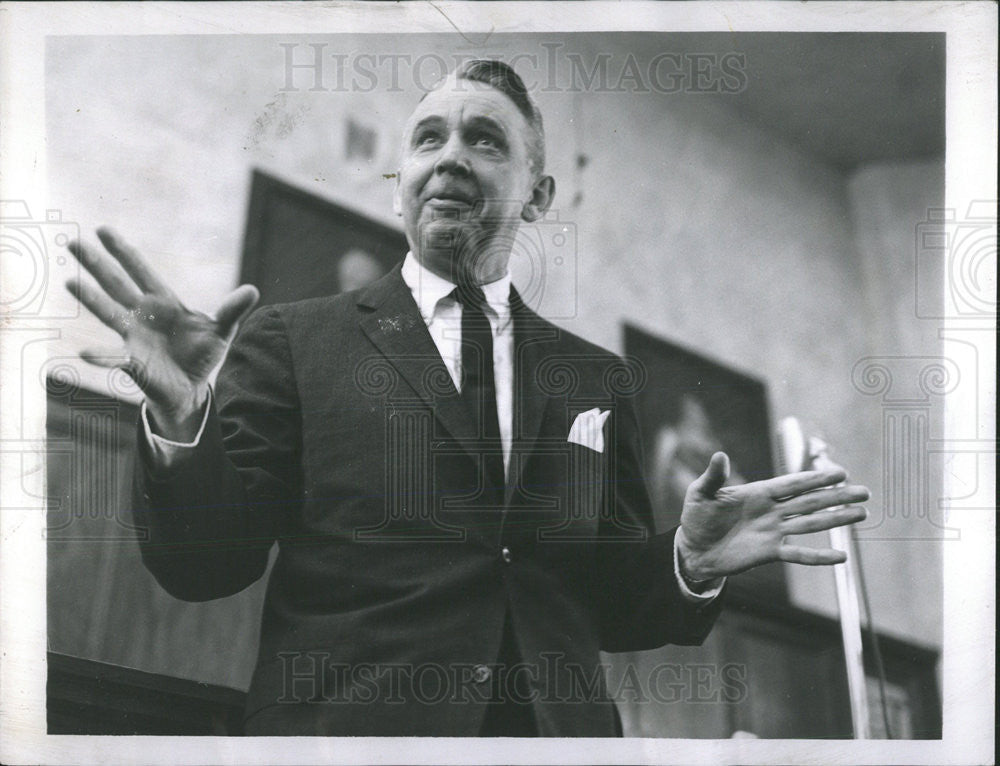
(451, 199)
(453, 205)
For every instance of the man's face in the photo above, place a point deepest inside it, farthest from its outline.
(465, 180)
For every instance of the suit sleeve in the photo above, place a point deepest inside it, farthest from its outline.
(640, 603)
(207, 523)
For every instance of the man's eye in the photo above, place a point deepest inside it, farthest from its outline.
(426, 138)
(488, 141)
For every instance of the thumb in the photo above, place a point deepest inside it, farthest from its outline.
(235, 307)
(715, 475)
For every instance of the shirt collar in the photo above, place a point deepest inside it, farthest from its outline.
(428, 289)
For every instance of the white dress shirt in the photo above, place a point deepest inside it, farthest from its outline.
(443, 317)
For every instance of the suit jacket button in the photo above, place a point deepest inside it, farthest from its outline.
(481, 674)
(506, 555)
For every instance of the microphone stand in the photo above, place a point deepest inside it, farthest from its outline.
(797, 453)
(846, 579)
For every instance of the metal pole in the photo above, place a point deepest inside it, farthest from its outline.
(846, 578)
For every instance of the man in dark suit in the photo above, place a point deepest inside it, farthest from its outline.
(454, 483)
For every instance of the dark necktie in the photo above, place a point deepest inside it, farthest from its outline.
(479, 385)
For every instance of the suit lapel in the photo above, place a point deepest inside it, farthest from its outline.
(394, 325)
(534, 341)
(392, 322)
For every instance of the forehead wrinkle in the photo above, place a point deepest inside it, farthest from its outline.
(491, 112)
(487, 121)
(469, 113)
(431, 119)
(484, 97)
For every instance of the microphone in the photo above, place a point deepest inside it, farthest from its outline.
(797, 452)
(793, 449)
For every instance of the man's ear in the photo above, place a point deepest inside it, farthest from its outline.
(397, 201)
(542, 194)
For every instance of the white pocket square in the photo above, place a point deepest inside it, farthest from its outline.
(588, 429)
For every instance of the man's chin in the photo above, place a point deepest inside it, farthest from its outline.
(457, 251)
(447, 231)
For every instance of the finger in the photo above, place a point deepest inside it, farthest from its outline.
(132, 262)
(813, 557)
(715, 475)
(108, 358)
(825, 498)
(806, 481)
(107, 272)
(100, 305)
(823, 463)
(818, 522)
(235, 308)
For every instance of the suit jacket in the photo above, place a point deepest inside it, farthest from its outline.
(337, 432)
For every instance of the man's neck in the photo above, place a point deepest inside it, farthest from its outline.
(482, 271)
(428, 288)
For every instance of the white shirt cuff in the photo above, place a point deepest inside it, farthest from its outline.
(164, 451)
(702, 597)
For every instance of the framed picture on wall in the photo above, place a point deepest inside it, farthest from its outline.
(298, 245)
(691, 407)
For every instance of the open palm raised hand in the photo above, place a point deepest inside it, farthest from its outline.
(169, 350)
(726, 530)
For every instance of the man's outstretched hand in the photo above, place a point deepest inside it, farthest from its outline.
(169, 350)
(725, 530)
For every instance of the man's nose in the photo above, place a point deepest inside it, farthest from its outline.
(453, 158)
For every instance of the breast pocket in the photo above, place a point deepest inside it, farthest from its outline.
(583, 495)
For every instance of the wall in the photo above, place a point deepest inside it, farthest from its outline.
(901, 542)
(690, 222)
(734, 243)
